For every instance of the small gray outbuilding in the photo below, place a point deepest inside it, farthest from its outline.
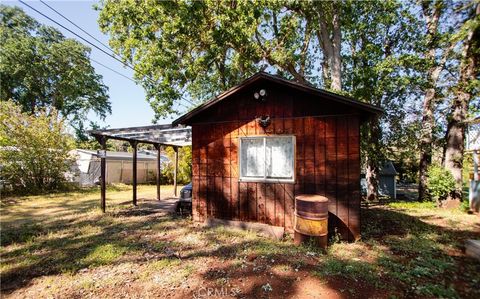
(387, 184)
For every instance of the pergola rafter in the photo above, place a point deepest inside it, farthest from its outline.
(157, 135)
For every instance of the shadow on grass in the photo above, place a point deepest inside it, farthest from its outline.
(72, 238)
(44, 253)
(413, 258)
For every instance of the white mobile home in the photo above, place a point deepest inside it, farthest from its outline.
(86, 170)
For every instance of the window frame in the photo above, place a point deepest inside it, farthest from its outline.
(266, 179)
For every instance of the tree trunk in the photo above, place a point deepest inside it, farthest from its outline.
(373, 159)
(336, 61)
(455, 136)
(326, 73)
(432, 16)
(330, 42)
(32, 105)
(426, 142)
(371, 176)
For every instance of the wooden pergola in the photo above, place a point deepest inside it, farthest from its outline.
(157, 135)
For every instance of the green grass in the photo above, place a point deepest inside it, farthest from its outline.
(62, 245)
(354, 270)
(163, 264)
(65, 232)
(159, 266)
(421, 248)
(412, 205)
(104, 255)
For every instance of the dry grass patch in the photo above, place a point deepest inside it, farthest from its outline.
(62, 246)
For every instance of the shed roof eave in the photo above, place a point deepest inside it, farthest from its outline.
(371, 109)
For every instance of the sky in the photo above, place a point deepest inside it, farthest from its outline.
(129, 106)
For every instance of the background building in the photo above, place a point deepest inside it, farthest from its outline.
(86, 170)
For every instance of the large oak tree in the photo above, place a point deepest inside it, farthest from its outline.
(464, 93)
(196, 49)
(40, 68)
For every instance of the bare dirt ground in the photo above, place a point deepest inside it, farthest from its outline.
(61, 246)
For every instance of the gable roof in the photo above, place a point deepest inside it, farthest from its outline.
(388, 169)
(368, 108)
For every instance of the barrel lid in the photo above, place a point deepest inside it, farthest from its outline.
(312, 197)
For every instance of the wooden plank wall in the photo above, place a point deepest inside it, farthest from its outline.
(327, 163)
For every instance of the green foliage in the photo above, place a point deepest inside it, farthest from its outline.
(159, 265)
(440, 182)
(380, 68)
(417, 270)
(465, 204)
(34, 149)
(467, 168)
(183, 48)
(40, 68)
(195, 49)
(184, 174)
(198, 48)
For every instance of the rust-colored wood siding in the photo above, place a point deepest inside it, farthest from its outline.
(327, 160)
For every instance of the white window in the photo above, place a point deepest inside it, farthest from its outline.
(267, 158)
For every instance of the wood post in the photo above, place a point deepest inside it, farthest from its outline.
(134, 178)
(103, 165)
(159, 169)
(175, 171)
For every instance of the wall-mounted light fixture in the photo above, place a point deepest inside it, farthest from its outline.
(260, 95)
(264, 121)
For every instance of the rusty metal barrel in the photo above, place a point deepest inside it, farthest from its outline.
(311, 220)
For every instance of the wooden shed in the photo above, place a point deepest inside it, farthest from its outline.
(261, 143)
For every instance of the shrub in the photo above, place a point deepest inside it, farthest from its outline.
(440, 182)
(184, 174)
(34, 149)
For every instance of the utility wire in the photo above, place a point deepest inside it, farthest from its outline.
(80, 28)
(98, 41)
(84, 31)
(128, 78)
(107, 67)
(72, 32)
(87, 41)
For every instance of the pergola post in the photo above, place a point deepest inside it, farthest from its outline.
(159, 169)
(157, 135)
(103, 165)
(134, 178)
(175, 149)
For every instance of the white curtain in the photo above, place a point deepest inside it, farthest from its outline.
(279, 157)
(253, 157)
